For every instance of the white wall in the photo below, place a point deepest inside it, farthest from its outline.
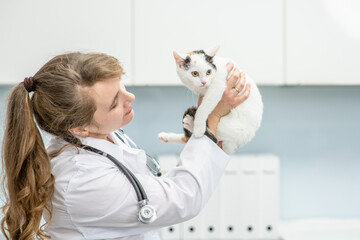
(250, 32)
(32, 32)
(323, 42)
(277, 42)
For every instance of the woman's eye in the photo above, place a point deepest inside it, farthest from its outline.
(195, 74)
(115, 105)
(208, 72)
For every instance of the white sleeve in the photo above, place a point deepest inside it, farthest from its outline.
(185, 190)
(106, 205)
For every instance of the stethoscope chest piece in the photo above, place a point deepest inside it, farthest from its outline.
(147, 213)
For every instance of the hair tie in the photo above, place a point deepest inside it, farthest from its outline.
(29, 84)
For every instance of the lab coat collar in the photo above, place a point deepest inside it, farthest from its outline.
(133, 158)
(123, 145)
(114, 149)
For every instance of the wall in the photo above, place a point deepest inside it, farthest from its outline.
(314, 131)
(269, 39)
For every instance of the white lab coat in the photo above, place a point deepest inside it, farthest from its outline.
(94, 200)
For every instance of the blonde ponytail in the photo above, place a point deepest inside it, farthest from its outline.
(60, 102)
(27, 167)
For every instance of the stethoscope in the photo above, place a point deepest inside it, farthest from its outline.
(147, 213)
(151, 162)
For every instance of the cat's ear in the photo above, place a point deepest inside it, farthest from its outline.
(212, 51)
(179, 60)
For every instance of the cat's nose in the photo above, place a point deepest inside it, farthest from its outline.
(203, 83)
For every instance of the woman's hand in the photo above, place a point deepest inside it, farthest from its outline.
(230, 98)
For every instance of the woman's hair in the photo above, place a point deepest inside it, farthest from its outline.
(60, 102)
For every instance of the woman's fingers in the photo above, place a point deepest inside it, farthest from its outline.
(231, 97)
(235, 76)
(229, 67)
(242, 97)
(241, 83)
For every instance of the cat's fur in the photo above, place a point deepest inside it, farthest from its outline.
(236, 128)
(188, 124)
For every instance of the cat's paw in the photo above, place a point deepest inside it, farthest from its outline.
(163, 137)
(188, 123)
(199, 130)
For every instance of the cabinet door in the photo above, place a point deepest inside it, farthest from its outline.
(34, 31)
(323, 42)
(248, 31)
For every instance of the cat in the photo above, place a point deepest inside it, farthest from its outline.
(188, 126)
(206, 74)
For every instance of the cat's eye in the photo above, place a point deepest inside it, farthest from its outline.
(208, 72)
(195, 74)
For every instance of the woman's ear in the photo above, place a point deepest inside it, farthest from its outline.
(80, 131)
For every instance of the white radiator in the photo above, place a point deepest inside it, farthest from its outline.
(244, 205)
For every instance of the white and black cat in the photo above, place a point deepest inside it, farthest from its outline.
(206, 74)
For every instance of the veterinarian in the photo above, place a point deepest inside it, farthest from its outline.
(77, 183)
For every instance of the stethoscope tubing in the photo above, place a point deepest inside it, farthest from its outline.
(140, 192)
(147, 213)
(151, 162)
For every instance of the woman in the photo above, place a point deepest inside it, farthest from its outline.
(80, 100)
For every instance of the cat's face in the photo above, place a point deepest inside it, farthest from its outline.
(196, 69)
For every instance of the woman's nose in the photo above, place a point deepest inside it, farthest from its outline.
(130, 96)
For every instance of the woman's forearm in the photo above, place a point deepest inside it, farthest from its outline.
(213, 121)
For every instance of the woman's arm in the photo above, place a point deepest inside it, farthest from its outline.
(101, 201)
(230, 98)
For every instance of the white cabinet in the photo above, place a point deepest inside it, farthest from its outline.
(245, 204)
(323, 42)
(277, 42)
(34, 31)
(249, 31)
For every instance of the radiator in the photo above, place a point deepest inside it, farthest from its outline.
(245, 204)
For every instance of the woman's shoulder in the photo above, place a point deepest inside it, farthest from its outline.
(72, 158)
(73, 168)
